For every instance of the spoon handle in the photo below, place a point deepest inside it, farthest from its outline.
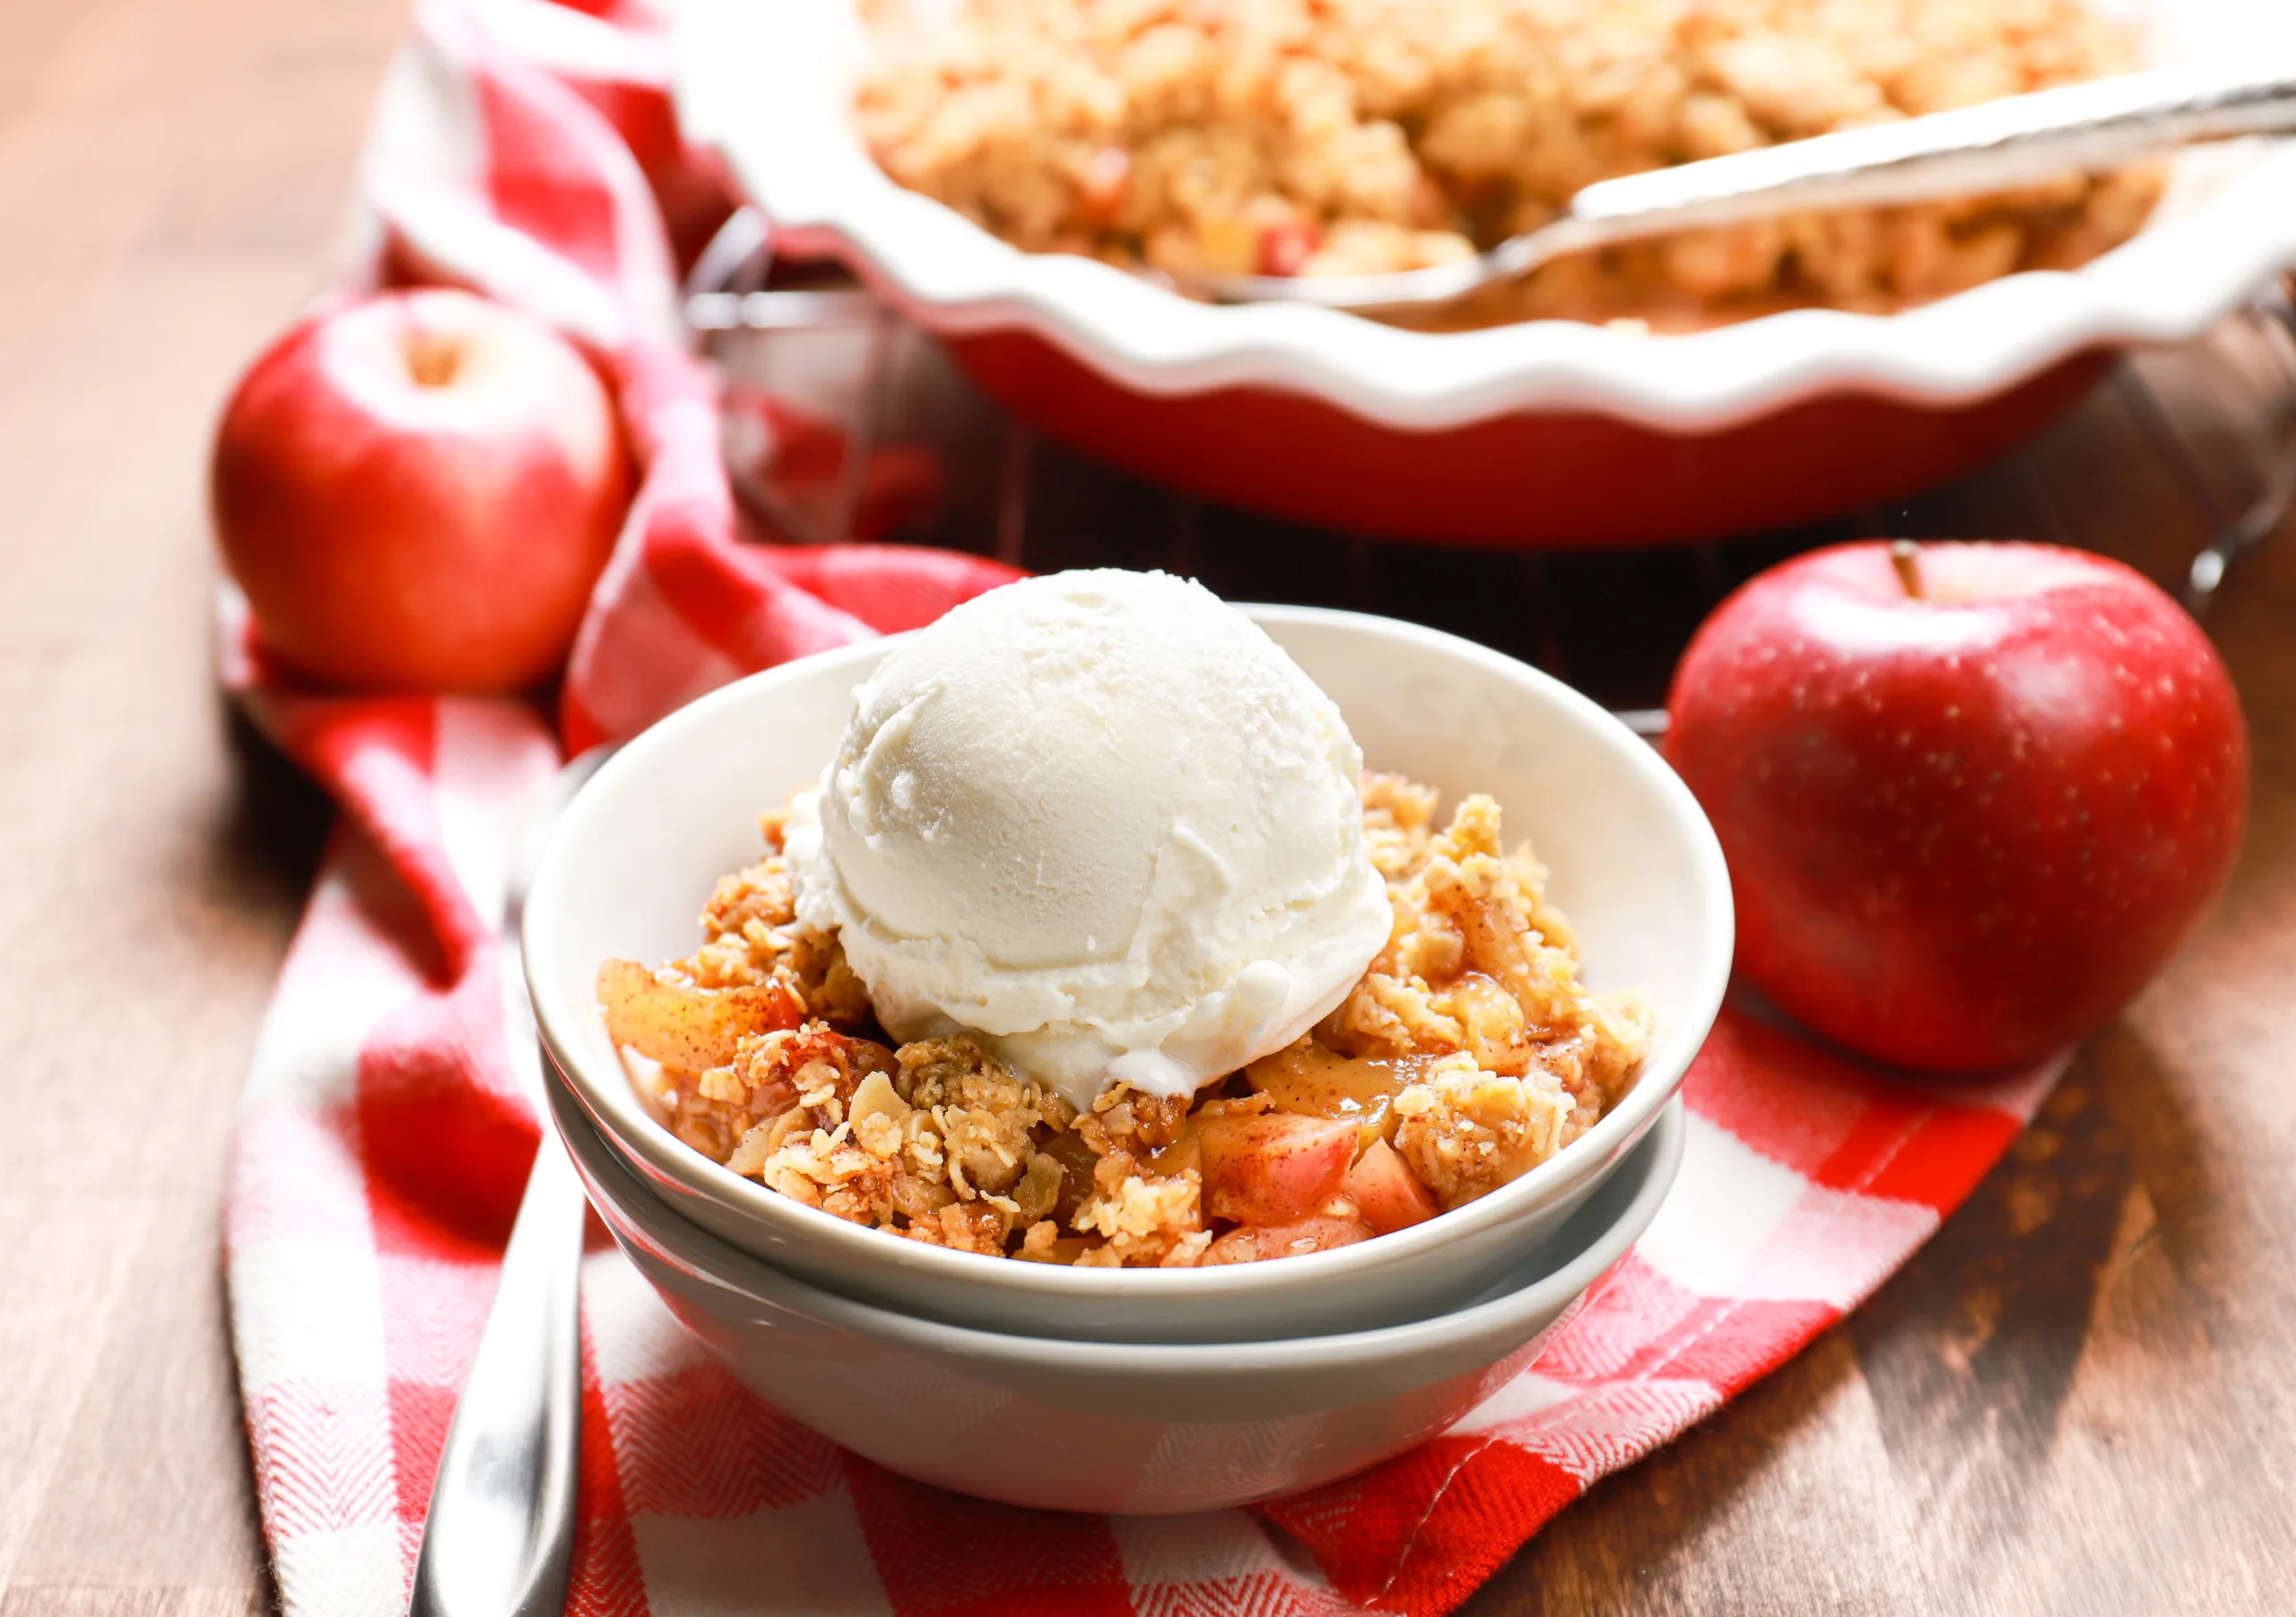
(1999, 145)
(499, 1540)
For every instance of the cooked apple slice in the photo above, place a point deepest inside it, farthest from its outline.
(1384, 1191)
(1076, 1162)
(1185, 1154)
(682, 1024)
(1305, 1078)
(1253, 1243)
(1273, 1167)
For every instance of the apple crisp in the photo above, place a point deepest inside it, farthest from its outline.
(1351, 136)
(1468, 1053)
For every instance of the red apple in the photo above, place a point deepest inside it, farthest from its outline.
(418, 492)
(1970, 802)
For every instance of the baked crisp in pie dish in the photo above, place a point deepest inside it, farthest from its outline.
(1347, 137)
(1468, 1053)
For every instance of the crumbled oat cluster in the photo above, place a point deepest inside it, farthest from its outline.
(1469, 1054)
(1482, 975)
(1339, 136)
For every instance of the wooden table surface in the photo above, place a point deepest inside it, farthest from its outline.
(2077, 1398)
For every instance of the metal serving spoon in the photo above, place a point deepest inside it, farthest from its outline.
(499, 1538)
(1999, 145)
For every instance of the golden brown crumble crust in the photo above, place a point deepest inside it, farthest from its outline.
(1351, 136)
(1470, 1048)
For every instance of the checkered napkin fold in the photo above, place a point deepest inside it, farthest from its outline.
(527, 148)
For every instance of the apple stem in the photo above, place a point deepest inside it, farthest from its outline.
(432, 359)
(1905, 555)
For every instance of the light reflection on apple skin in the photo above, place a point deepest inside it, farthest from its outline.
(1861, 627)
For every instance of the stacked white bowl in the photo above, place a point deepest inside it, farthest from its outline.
(1135, 1390)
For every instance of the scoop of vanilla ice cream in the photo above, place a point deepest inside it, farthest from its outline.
(1102, 818)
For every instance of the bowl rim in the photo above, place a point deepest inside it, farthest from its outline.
(631, 1127)
(719, 1262)
(760, 81)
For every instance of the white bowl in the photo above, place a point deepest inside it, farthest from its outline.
(1635, 865)
(1108, 1426)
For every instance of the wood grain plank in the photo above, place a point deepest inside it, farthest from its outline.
(160, 1393)
(73, 1277)
(1745, 1513)
(96, 1600)
(175, 175)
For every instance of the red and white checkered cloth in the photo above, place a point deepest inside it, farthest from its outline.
(527, 148)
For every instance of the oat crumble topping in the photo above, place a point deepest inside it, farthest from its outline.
(1469, 1054)
(1342, 136)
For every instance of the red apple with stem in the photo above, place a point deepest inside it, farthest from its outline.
(1971, 796)
(418, 492)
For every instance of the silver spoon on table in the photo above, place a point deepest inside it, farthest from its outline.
(1999, 145)
(499, 1538)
